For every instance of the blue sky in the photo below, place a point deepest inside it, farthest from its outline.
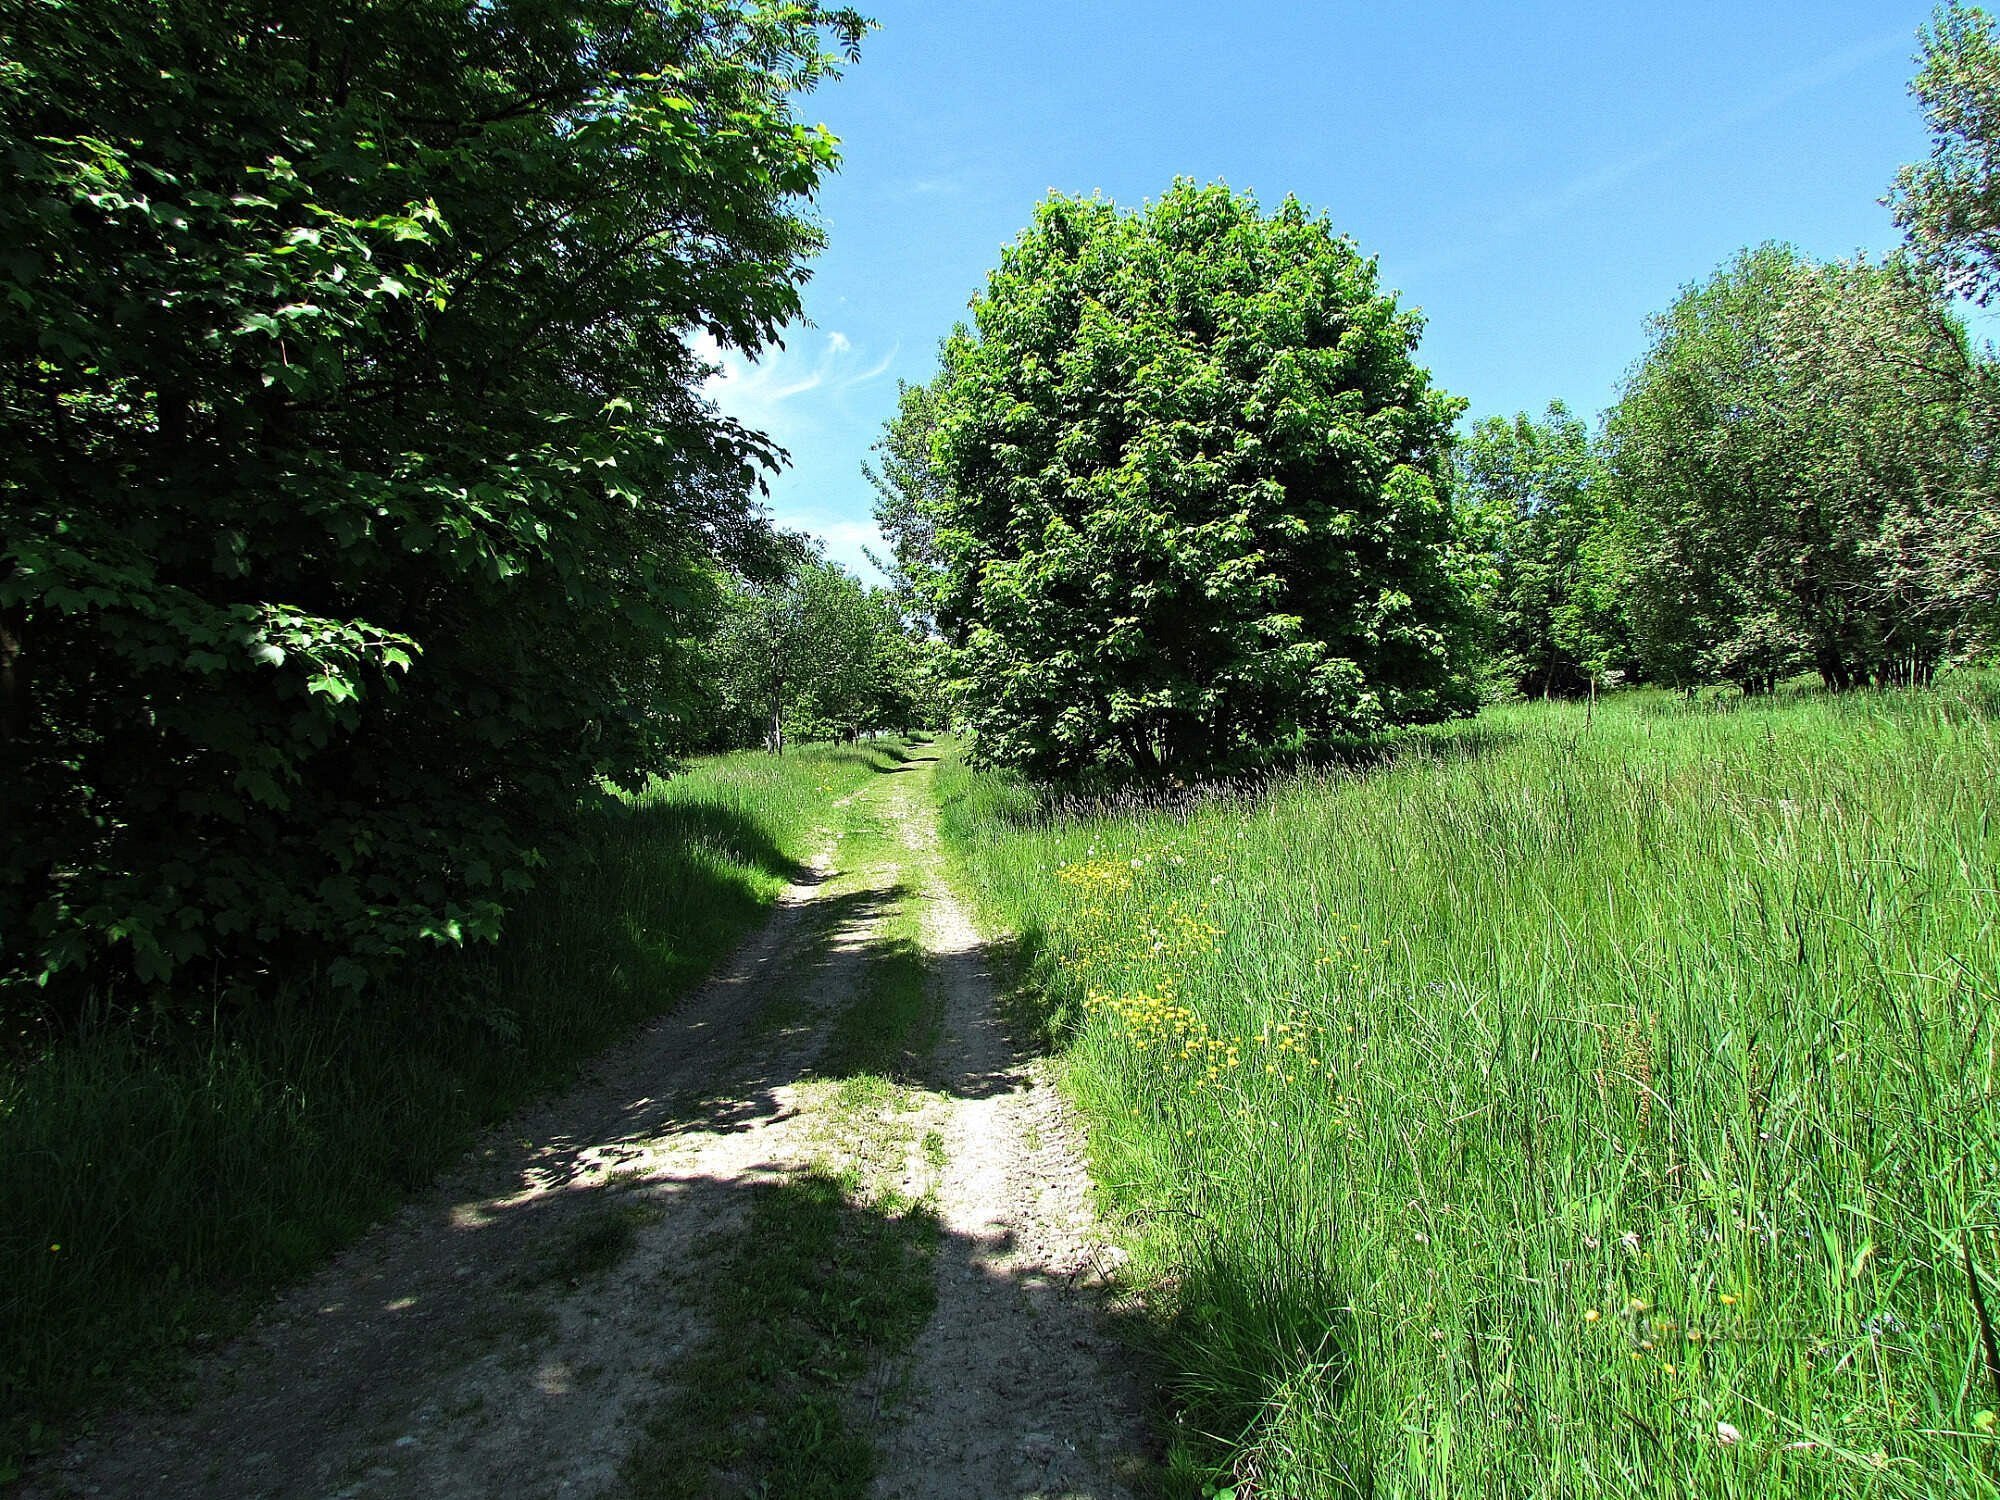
(1538, 178)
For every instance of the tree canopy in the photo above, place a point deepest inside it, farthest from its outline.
(909, 497)
(813, 653)
(363, 510)
(1949, 204)
(1534, 500)
(1191, 491)
(1790, 456)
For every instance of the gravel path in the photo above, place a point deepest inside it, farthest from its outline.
(469, 1349)
(1017, 1390)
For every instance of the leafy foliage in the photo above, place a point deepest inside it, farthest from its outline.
(362, 510)
(813, 654)
(1535, 504)
(1795, 460)
(909, 497)
(1950, 204)
(1192, 491)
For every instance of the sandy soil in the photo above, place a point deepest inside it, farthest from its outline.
(460, 1351)
(1017, 1389)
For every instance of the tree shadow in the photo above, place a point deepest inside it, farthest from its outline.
(1121, 793)
(494, 1290)
(189, 1174)
(774, 1053)
(897, 757)
(874, 755)
(662, 824)
(1239, 1325)
(375, 1384)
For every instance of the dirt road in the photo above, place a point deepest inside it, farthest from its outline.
(524, 1329)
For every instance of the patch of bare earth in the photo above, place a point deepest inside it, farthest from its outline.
(510, 1333)
(1015, 1389)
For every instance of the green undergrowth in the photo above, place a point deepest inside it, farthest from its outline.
(1572, 1102)
(155, 1187)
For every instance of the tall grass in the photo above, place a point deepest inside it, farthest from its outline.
(1571, 1104)
(153, 1186)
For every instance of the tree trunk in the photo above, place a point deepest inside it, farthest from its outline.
(1140, 748)
(16, 698)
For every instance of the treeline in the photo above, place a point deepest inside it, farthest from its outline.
(363, 514)
(807, 651)
(1797, 478)
(1180, 496)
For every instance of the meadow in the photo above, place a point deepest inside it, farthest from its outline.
(1574, 1100)
(159, 1179)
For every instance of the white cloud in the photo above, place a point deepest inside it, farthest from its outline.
(819, 400)
(876, 370)
(763, 393)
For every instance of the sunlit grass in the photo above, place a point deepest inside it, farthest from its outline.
(1571, 1104)
(153, 1187)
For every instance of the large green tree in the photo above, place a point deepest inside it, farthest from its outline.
(1193, 491)
(1791, 458)
(360, 508)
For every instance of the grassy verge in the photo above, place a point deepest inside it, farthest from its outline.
(1566, 1105)
(153, 1192)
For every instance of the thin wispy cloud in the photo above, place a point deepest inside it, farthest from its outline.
(1615, 174)
(947, 185)
(765, 393)
(877, 370)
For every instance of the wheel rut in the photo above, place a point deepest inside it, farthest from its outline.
(1017, 1389)
(512, 1331)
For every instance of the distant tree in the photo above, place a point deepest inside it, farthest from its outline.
(1534, 504)
(362, 509)
(1790, 459)
(908, 668)
(863, 677)
(1193, 492)
(780, 636)
(923, 682)
(813, 653)
(909, 498)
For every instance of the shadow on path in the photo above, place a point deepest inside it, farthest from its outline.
(509, 1333)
